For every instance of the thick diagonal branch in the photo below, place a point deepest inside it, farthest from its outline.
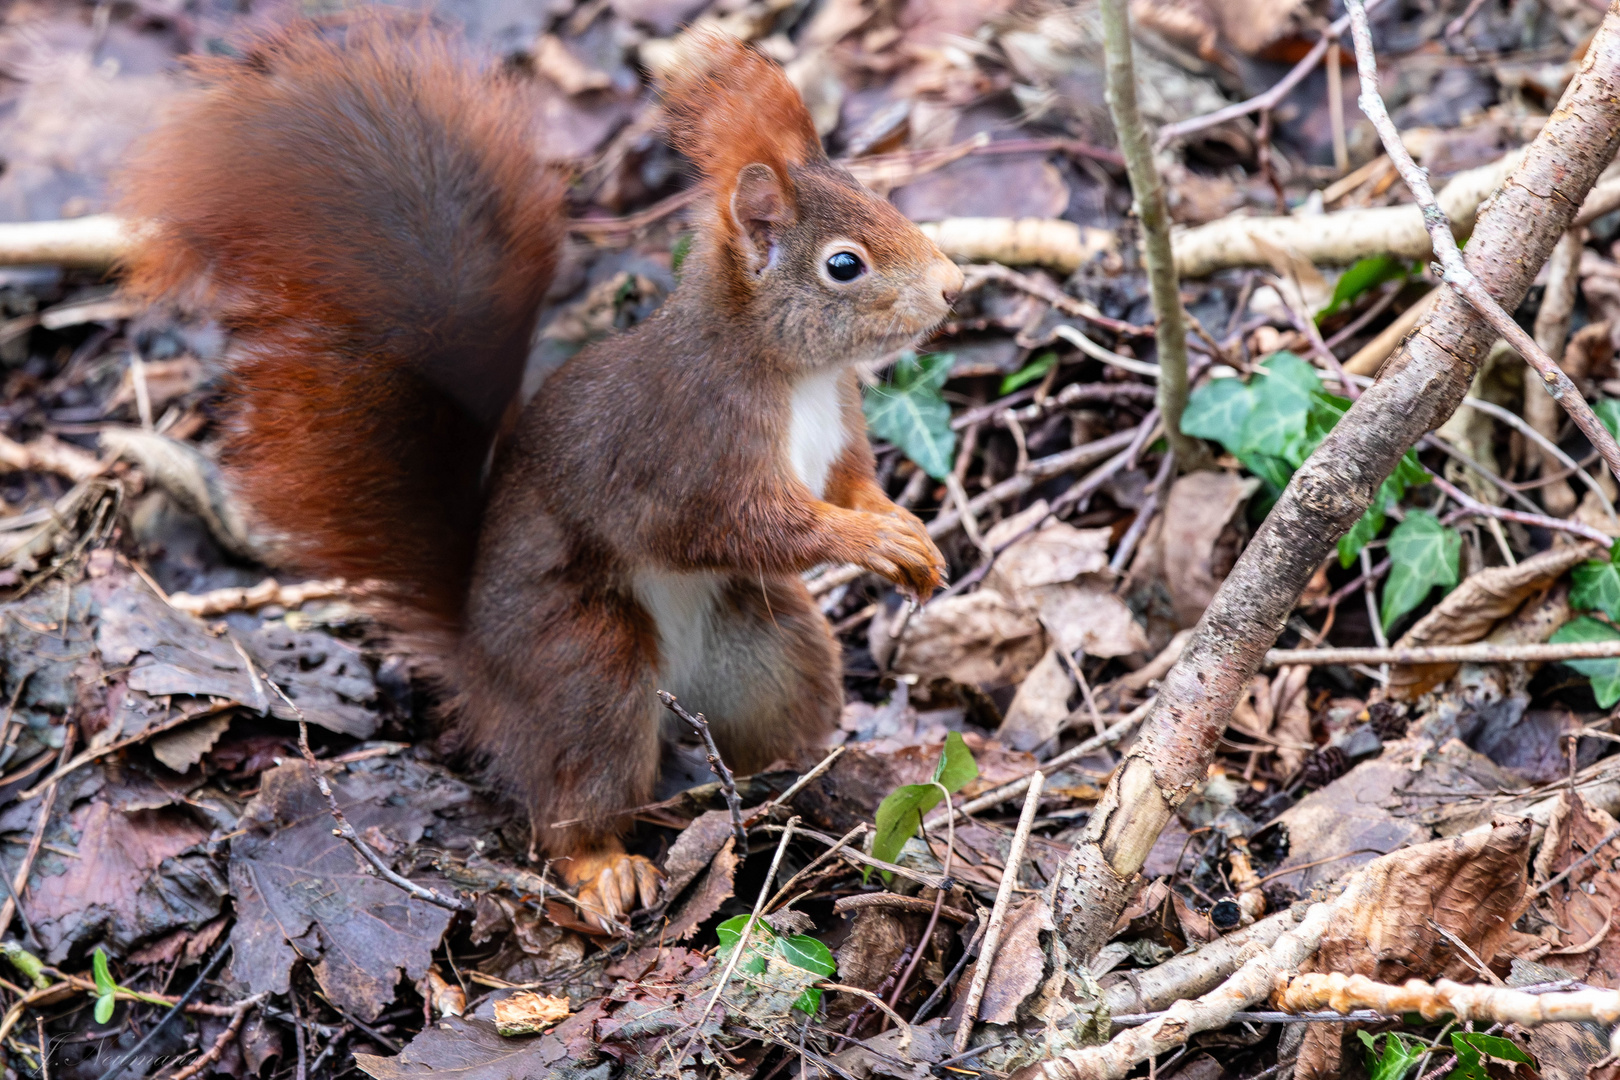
(1423, 383)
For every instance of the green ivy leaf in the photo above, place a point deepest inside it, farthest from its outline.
(1030, 372)
(909, 411)
(1595, 586)
(1473, 1046)
(1397, 1058)
(803, 951)
(956, 768)
(1362, 276)
(1605, 674)
(1608, 412)
(899, 817)
(760, 942)
(1217, 410)
(1423, 553)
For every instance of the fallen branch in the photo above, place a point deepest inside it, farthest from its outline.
(1184, 1019)
(214, 1052)
(1340, 237)
(1477, 653)
(93, 243)
(1154, 214)
(49, 454)
(265, 593)
(1061, 245)
(1493, 1004)
(846, 904)
(1457, 274)
(1421, 385)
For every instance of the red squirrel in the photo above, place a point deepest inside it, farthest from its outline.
(366, 211)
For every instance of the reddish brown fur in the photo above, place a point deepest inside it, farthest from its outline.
(371, 221)
(651, 469)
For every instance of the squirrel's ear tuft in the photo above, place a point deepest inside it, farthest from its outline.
(729, 107)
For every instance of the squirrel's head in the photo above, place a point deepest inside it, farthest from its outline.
(792, 241)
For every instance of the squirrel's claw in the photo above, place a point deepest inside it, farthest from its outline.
(609, 883)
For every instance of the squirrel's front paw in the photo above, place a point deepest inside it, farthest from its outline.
(609, 881)
(903, 552)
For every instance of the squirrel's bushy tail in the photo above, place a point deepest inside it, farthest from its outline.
(366, 212)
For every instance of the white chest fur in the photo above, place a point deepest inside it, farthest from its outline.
(681, 605)
(816, 434)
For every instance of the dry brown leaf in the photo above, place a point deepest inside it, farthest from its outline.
(715, 889)
(529, 1013)
(1020, 961)
(184, 747)
(1291, 723)
(1086, 616)
(1585, 903)
(980, 638)
(1471, 886)
(1041, 705)
(1196, 553)
(1051, 555)
(1470, 611)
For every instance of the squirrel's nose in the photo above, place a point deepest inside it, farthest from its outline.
(947, 277)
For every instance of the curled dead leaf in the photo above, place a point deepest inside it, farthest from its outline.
(529, 1013)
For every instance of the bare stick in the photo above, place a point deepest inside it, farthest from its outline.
(1144, 516)
(939, 902)
(846, 904)
(1477, 653)
(998, 914)
(213, 1053)
(830, 853)
(1492, 1004)
(1455, 270)
(346, 831)
(728, 783)
(1471, 505)
(742, 940)
(1154, 214)
(1545, 887)
(19, 883)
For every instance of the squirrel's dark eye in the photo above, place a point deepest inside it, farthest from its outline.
(844, 266)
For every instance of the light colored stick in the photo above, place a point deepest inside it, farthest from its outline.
(998, 914)
(1477, 653)
(1491, 1004)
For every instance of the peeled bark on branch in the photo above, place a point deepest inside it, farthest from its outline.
(1423, 383)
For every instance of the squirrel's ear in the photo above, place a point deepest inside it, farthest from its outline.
(761, 207)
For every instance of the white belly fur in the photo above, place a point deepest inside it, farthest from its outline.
(681, 605)
(816, 434)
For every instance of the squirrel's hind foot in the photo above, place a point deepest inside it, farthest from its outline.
(609, 881)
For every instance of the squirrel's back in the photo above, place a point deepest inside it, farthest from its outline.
(366, 211)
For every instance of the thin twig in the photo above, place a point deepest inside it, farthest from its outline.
(213, 1053)
(1144, 515)
(19, 883)
(1471, 505)
(982, 272)
(1477, 653)
(860, 858)
(830, 853)
(797, 786)
(742, 940)
(998, 914)
(1455, 270)
(846, 904)
(1545, 887)
(346, 830)
(728, 783)
(956, 972)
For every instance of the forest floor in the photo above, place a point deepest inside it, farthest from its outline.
(161, 831)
